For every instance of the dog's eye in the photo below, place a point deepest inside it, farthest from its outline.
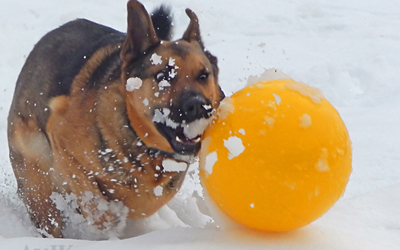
(162, 75)
(203, 76)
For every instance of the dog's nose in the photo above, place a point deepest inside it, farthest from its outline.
(195, 106)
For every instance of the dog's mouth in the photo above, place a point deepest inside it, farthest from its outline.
(179, 142)
(184, 138)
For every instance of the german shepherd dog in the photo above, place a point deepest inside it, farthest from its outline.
(110, 117)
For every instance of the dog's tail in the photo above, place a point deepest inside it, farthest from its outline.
(162, 22)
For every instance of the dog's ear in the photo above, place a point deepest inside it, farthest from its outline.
(140, 35)
(193, 30)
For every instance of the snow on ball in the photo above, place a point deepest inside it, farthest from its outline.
(277, 157)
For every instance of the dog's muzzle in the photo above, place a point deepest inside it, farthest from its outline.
(184, 125)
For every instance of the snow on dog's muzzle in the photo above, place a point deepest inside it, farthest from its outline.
(184, 137)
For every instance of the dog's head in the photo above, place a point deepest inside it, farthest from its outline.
(171, 87)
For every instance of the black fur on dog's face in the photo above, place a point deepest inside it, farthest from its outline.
(171, 89)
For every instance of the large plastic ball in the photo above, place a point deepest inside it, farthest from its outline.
(277, 157)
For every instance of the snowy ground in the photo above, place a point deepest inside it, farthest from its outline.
(350, 49)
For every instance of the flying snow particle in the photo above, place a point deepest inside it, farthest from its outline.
(133, 83)
(155, 59)
(172, 73)
(207, 107)
(242, 131)
(174, 166)
(145, 102)
(235, 146)
(158, 191)
(163, 84)
(171, 62)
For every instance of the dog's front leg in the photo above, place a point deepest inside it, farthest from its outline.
(91, 203)
(76, 163)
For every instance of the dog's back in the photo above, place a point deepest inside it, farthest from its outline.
(53, 63)
(59, 56)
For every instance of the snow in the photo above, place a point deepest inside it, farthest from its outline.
(303, 89)
(225, 107)
(190, 130)
(83, 227)
(156, 59)
(305, 121)
(145, 102)
(322, 164)
(269, 121)
(195, 128)
(267, 75)
(235, 146)
(163, 84)
(133, 83)
(158, 191)
(162, 116)
(172, 74)
(171, 62)
(347, 49)
(174, 166)
(277, 98)
(211, 159)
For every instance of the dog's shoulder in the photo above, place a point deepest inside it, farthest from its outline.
(82, 38)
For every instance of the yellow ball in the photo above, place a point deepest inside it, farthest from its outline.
(277, 157)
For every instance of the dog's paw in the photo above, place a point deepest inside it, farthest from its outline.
(90, 216)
